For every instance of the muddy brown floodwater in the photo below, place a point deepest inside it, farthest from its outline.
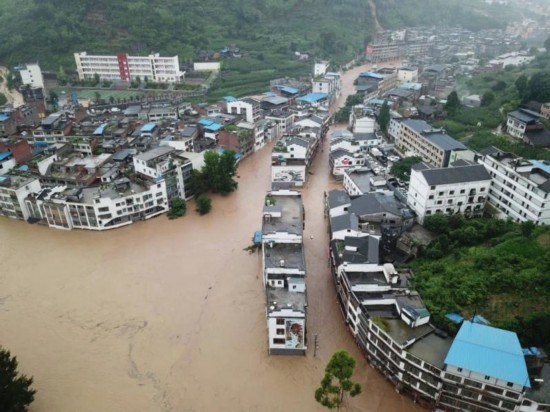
(169, 315)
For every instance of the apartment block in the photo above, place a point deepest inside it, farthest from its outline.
(461, 189)
(125, 67)
(519, 188)
(418, 138)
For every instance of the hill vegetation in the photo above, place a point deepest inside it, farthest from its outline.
(50, 31)
(495, 268)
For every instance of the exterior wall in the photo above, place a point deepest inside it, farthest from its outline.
(285, 123)
(407, 76)
(125, 67)
(12, 201)
(515, 196)
(408, 140)
(242, 108)
(207, 66)
(319, 69)
(393, 129)
(104, 212)
(515, 127)
(340, 165)
(350, 186)
(465, 198)
(322, 86)
(276, 324)
(7, 165)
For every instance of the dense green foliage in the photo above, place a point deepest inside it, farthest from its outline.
(50, 31)
(178, 208)
(3, 99)
(384, 117)
(16, 393)
(218, 173)
(337, 381)
(204, 204)
(453, 103)
(402, 168)
(494, 267)
(342, 115)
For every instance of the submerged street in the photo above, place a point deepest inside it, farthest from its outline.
(169, 315)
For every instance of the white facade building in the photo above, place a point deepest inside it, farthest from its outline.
(320, 68)
(124, 67)
(13, 191)
(98, 208)
(407, 74)
(450, 190)
(247, 107)
(520, 189)
(31, 75)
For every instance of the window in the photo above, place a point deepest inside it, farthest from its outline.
(440, 193)
(431, 197)
(510, 384)
(487, 377)
(432, 187)
(280, 321)
(280, 331)
(462, 191)
(459, 369)
(452, 192)
(278, 341)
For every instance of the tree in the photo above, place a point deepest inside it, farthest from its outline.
(61, 76)
(178, 209)
(487, 98)
(97, 96)
(111, 99)
(204, 204)
(437, 223)
(384, 117)
(337, 381)
(547, 45)
(16, 393)
(527, 228)
(453, 103)
(499, 86)
(3, 99)
(402, 168)
(539, 87)
(521, 86)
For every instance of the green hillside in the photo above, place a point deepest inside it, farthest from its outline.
(50, 31)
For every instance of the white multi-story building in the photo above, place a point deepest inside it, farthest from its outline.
(520, 189)
(249, 108)
(31, 75)
(462, 189)
(99, 208)
(407, 74)
(416, 137)
(125, 67)
(320, 68)
(13, 191)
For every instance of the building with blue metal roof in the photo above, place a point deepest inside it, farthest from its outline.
(313, 97)
(148, 128)
(492, 353)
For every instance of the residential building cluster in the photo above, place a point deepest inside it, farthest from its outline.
(114, 164)
(439, 44)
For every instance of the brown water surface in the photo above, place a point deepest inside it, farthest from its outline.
(169, 315)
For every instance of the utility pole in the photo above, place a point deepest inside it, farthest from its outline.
(315, 347)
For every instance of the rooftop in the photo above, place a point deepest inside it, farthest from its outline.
(290, 208)
(313, 97)
(452, 175)
(432, 349)
(444, 141)
(402, 333)
(282, 298)
(154, 153)
(284, 255)
(489, 351)
(338, 198)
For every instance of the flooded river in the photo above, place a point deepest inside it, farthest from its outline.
(169, 315)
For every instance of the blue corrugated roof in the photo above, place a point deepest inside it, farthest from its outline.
(229, 98)
(543, 165)
(371, 74)
(214, 127)
(220, 151)
(149, 127)
(489, 351)
(23, 168)
(4, 117)
(99, 130)
(288, 89)
(4, 155)
(480, 319)
(313, 97)
(455, 317)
